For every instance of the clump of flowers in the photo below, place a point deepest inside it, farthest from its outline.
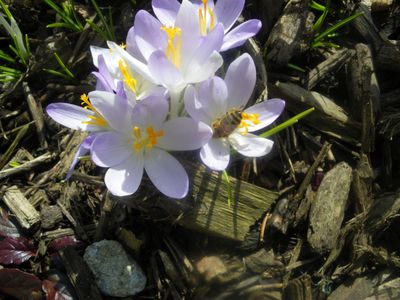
(159, 94)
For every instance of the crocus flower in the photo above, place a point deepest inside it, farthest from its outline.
(87, 118)
(225, 12)
(114, 75)
(219, 104)
(141, 142)
(175, 55)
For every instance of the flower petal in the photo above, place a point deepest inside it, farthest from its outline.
(164, 70)
(166, 11)
(240, 34)
(132, 62)
(197, 109)
(228, 11)
(213, 93)
(200, 72)
(115, 109)
(71, 116)
(166, 173)
(124, 179)
(110, 149)
(182, 134)
(103, 70)
(250, 145)
(156, 110)
(83, 149)
(149, 36)
(268, 112)
(131, 45)
(210, 43)
(216, 154)
(240, 79)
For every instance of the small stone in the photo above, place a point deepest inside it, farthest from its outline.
(327, 211)
(116, 273)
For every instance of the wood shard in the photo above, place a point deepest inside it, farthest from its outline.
(327, 211)
(23, 210)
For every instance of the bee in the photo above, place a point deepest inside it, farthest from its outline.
(225, 125)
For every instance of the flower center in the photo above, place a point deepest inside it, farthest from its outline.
(173, 50)
(129, 80)
(204, 21)
(248, 120)
(145, 141)
(96, 120)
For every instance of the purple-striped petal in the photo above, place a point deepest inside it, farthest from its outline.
(166, 173)
(124, 179)
(240, 34)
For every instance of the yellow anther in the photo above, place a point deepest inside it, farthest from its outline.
(248, 120)
(96, 119)
(148, 141)
(173, 50)
(123, 45)
(204, 27)
(129, 80)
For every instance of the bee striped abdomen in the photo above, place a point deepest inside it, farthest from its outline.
(224, 126)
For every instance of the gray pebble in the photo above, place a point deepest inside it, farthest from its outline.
(116, 273)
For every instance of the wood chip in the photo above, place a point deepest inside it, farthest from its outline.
(23, 210)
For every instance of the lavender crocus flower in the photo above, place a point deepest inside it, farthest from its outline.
(225, 12)
(114, 75)
(219, 104)
(141, 142)
(175, 55)
(87, 118)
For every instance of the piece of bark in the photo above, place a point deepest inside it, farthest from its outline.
(292, 33)
(327, 117)
(327, 211)
(28, 166)
(296, 215)
(365, 26)
(361, 287)
(50, 216)
(388, 57)
(206, 207)
(79, 275)
(26, 214)
(35, 107)
(299, 288)
(364, 94)
(331, 64)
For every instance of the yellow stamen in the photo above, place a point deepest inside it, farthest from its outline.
(248, 120)
(97, 119)
(149, 141)
(129, 80)
(173, 50)
(123, 45)
(204, 29)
